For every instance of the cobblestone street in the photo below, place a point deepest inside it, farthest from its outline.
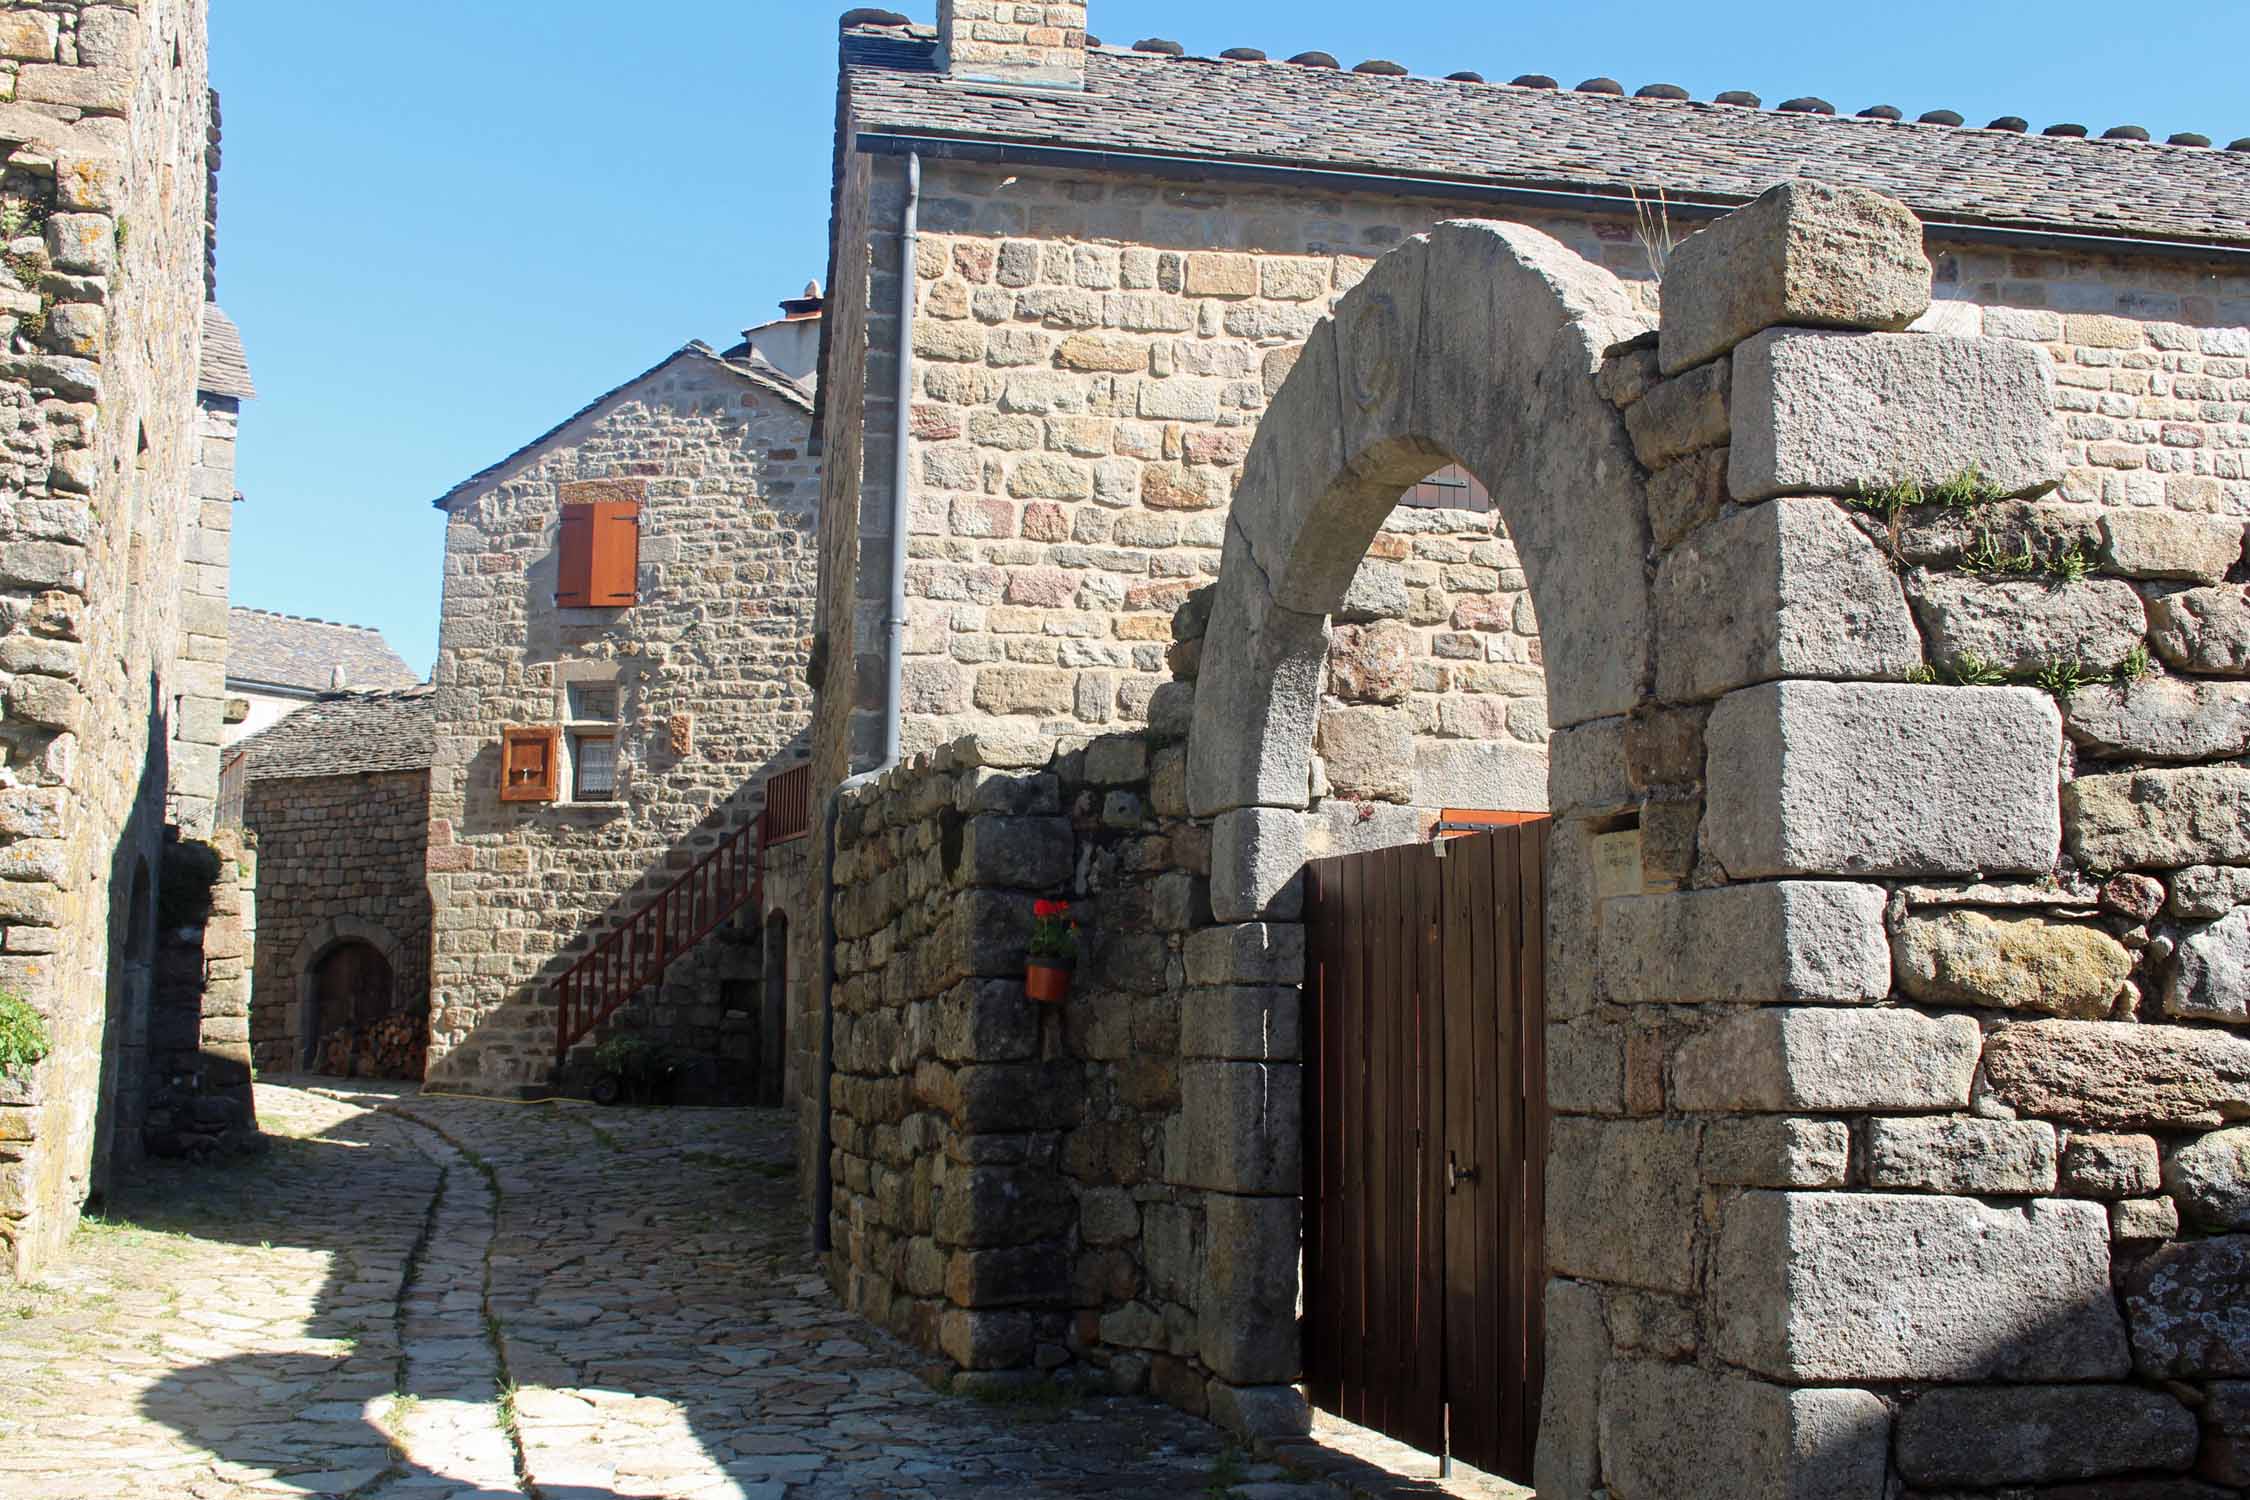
(446, 1298)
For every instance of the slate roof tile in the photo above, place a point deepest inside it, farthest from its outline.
(226, 368)
(1277, 114)
(291, 652)
(343, 734)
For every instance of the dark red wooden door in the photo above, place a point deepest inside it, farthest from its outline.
(1426, 1143)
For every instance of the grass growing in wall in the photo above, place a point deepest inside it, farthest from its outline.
(2057, 678)
(1971, 670)
(24, 1041)
(2061, 679)
(1893, 499)
(1987, 558)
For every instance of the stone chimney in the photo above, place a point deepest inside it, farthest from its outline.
(1036, 45)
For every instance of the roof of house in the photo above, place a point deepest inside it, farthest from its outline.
(226, 368)
(1278, 114)
(750, 367)
(347, 734)
(288, 651)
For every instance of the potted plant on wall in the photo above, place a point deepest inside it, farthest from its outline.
(1054, 953)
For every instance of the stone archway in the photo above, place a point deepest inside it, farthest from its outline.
(1500, 380)
(316, 949)
(1735, 677)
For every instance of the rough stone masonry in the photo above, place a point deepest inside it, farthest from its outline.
(105, 134)
(699, 683)
(1896, 1143)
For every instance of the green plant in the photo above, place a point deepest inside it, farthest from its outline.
(1971, 670)
(2135, 666)
(1922, 675)
(1226, 1472)
(1986, 555)
(1886, 499)
(1965, 489)
(2061, 678)
(1054, 936)
(24, 1040)
(2070, 565)
(21, 218)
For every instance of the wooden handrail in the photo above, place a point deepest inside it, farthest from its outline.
(690, 909)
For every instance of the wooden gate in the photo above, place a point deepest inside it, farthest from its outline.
(1426, 1140)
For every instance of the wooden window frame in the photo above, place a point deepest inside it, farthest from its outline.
(598, 545)
(608, 735)
(513, 738)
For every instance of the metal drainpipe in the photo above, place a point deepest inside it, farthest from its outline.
(894, 697)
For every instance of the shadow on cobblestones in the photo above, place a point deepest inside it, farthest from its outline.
(442, 1299)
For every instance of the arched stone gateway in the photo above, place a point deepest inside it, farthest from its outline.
(1735, 672)
(1893, 1053)
(1476, 345)
(346, 972)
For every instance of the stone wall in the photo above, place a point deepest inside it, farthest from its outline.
(198, 1098)
(995, 1159)
(1841, 1085)
(101, 313)
(200, 728)
(340, 859)
(1894, 1146)
(709, 669)
(1093, 354)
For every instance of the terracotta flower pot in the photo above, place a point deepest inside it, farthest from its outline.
(1046, 981)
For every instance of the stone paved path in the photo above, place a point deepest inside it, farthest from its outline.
(415, 1298)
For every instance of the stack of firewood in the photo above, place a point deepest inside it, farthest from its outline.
(391, 1048)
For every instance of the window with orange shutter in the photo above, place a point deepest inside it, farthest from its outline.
(530, 760)
(599, 550)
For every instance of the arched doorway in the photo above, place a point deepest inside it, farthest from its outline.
(353, 1019)
(351, 999)
(1497, 394)
(1744, 731)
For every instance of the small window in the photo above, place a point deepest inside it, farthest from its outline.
(599, 548)
(528, 766)
(592, 728)
(594, 758)
(593, 702)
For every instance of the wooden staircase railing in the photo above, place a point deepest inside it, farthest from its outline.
(635, 955)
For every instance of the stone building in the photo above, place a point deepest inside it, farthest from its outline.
(337, 798)
(627, 617)
(276, 664)
(112, 572)
(1146, 654)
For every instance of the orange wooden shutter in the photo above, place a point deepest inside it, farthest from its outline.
(574, 578)
(530, 763)
(615, 574)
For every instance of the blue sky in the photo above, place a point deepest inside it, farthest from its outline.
(445, 227)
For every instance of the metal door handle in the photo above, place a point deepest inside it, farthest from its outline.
(1456, 1174)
